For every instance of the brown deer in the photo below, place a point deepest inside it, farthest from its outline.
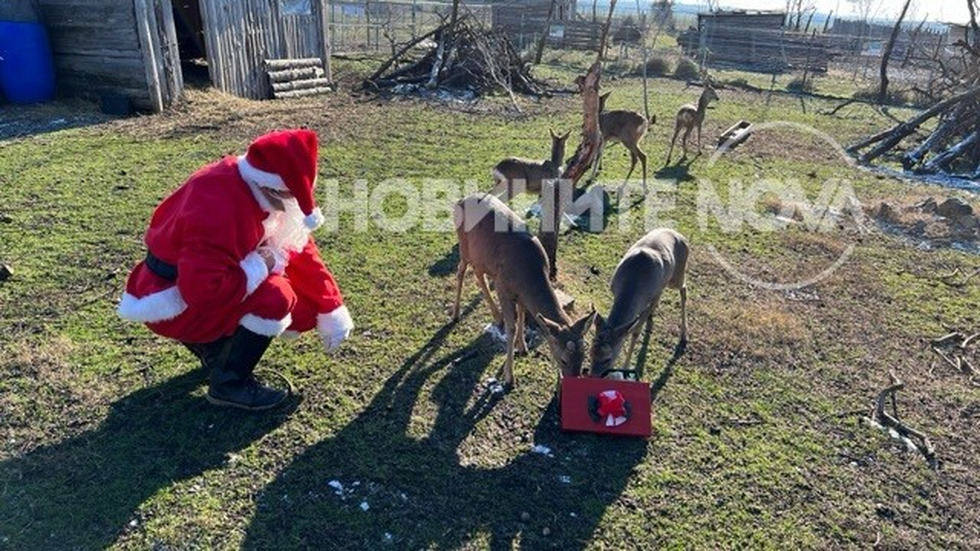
(511, 173)
(657, 261)
(493, 240)
(628, 128)
(689, 116)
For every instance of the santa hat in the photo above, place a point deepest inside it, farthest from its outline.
(286, 161)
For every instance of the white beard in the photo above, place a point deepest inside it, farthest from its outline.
(285, 230)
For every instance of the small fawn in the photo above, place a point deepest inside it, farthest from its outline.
(656, 261)
(689, 116)
(627, 128)
(493, 240)
(510, 174)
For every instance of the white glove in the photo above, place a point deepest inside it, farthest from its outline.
(334, 327)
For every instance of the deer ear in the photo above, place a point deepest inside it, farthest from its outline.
(547, 324)
(565, 135)
(553, 135)
(582, 325)
(599, 321)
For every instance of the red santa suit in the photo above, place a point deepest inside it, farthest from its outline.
(212, 231)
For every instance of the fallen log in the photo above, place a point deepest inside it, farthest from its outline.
(892, 136)
(942, 161)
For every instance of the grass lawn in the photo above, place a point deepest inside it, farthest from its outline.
(760, 439)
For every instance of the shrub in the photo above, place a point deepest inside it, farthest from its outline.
(799, 85)
(893, 97)
(656, 67)
(687, 69)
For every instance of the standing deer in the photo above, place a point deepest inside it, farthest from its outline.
(657, 261)
(493, 240)
(628, 128)
(689, 116)
(509, 173)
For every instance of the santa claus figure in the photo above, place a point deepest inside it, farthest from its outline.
(231, 264)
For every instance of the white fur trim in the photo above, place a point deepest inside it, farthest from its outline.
(160, 306)
(260, 177)
(334, 327)
(314, 220)
(255, 271)
(266, 326)
(259, 197)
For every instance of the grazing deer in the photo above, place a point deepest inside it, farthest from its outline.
(493, 240)
(689, 116)
(628, 128)
(657, 261)
(510, 173)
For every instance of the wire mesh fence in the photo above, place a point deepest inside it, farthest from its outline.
(366, 25)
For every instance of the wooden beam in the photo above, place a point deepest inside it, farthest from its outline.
(145, 32)
(276, 64)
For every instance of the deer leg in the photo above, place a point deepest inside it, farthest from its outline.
(634, 335)
(460, 274)
(699, 137)
(684, 313)
(687, 132)
(508, 307)
(521, 341)
(677, 130)
(632, 166)
(643, 164)
(489, 298)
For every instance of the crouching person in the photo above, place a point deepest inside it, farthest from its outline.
(231, 264)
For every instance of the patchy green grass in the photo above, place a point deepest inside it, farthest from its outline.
(106, 440)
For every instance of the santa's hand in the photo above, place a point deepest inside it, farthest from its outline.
(275, 259)
(334, 327)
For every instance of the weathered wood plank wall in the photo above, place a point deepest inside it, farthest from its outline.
(98, 49)
(241, 34)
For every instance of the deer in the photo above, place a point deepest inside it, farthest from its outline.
(529, 172)
(689, 116)
(628, 128)
(494, 241)
(658, 260)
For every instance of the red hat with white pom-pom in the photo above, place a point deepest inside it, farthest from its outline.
(286, 161)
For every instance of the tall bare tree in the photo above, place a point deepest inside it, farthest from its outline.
(883, 86)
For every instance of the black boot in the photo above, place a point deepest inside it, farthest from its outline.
(209, 353)
(232, 381)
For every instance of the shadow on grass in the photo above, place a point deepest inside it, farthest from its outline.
(679, 171)
(418, 491)
(81, 493)
(679, 349)
(447, 264)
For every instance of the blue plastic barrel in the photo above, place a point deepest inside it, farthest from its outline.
(26, 63)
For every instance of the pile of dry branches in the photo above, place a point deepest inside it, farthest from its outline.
(953, 146)
(464, 55)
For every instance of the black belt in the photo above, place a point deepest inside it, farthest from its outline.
(161, 268)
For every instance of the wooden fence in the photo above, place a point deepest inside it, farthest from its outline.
(242, 34)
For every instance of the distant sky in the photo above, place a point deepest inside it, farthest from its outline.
(954, 11)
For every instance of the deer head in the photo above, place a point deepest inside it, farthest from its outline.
(602, 101)
(567, 342)
(609, 340)
(709, 93)
(558, 146)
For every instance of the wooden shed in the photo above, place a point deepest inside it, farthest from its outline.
(755, 40)
(523, 21)
(140, 49)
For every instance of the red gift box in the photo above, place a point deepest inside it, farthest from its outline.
(607, 406)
